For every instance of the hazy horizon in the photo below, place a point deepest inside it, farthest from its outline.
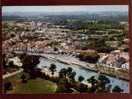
(65, 9)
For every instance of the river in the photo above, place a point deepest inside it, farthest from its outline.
(81, 71)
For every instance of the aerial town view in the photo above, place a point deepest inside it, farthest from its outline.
(65, 49)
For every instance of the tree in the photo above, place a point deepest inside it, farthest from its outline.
(104, 80)
(108, 88)
(29, 62)
(80, 78)
(117, 89)
(105, 49)
(92, 80)
(69, 71)
(72, 76)
(4, 60)
(52, 68)
(91, 57)
(63, 73)
(55, 49)
(35, 60)
(63, 86)
(11, 64)
(83, 88)
(23, 77)
(126, 50)
(8, 86)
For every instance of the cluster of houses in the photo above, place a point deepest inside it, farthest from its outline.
(45, 37)
(117, 58)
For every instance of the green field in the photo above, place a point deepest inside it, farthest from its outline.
(37, 85)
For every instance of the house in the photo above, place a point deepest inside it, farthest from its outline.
(125, 65)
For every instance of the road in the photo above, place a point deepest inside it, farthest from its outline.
(12, 74)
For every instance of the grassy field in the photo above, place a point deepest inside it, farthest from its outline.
(37, 85)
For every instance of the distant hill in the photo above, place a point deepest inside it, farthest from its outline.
(115, 15)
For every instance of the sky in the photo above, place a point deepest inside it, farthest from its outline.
(90, 8)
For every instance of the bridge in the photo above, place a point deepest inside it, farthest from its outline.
(33, 51)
